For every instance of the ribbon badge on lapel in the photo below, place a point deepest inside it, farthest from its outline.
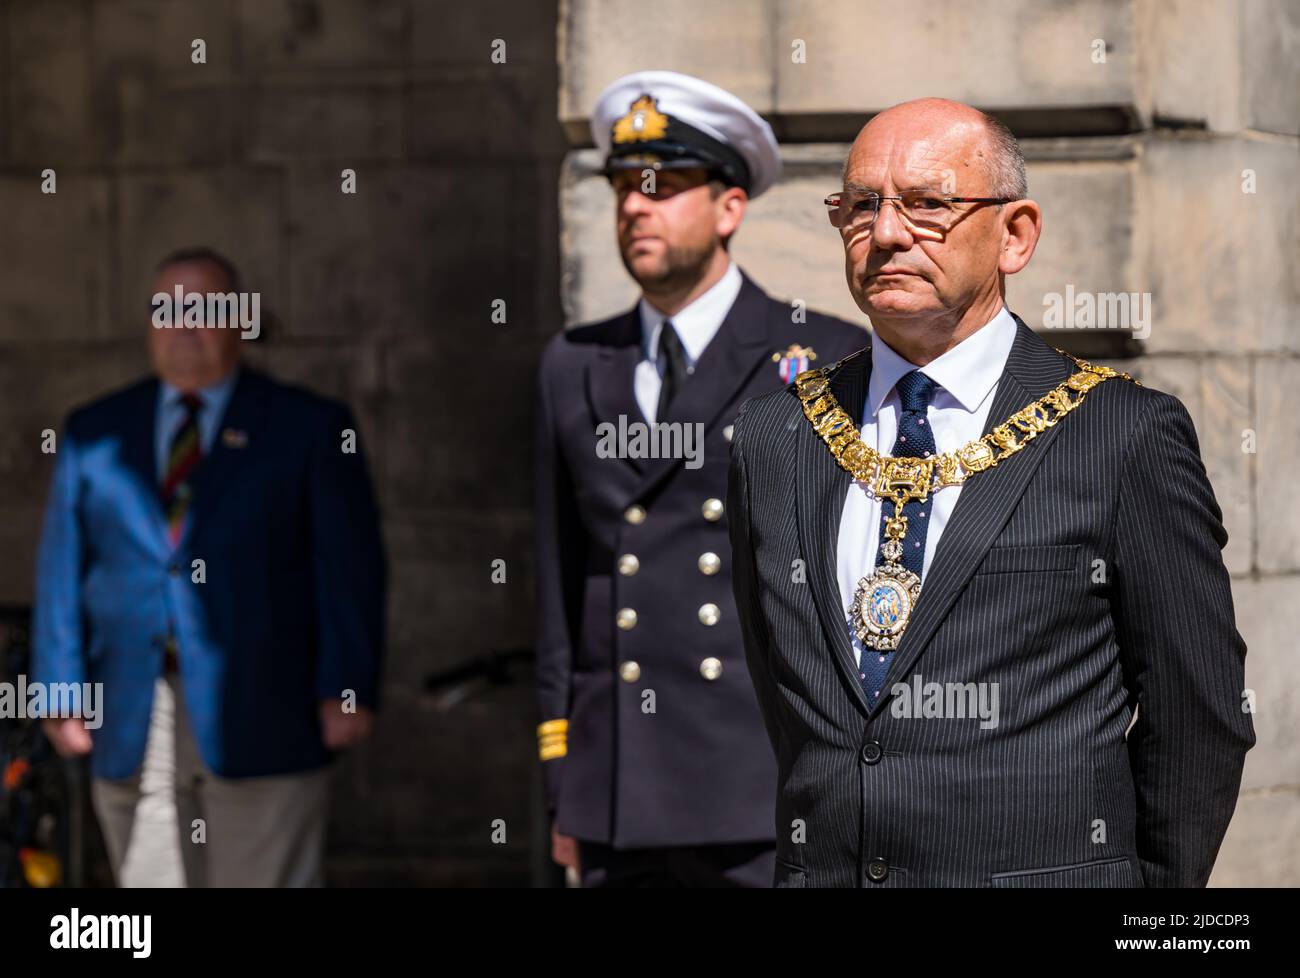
(234, 438)
(793, 361)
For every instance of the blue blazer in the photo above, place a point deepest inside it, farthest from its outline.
(291, 608)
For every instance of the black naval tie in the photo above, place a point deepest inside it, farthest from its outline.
(915, 440)
(672, 359)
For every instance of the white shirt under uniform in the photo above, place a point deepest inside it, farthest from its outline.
(696, 325)
(967, 379)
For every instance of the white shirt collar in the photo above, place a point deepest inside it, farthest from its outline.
(968, 371)
(697, 324)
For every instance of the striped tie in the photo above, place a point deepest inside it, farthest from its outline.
(182, 459)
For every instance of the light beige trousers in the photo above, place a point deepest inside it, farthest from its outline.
(178, 824)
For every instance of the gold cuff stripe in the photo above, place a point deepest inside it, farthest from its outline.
(553, 739)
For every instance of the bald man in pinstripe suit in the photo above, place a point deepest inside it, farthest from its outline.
(980, 582)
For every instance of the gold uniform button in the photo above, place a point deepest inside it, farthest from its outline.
(628, 565)
(626, 619)
(712, 510)
(709, 614)
(630, 671)
(711, 668)
(634, 515)
(710, 563)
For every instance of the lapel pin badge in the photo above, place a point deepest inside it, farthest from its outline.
(234, 438)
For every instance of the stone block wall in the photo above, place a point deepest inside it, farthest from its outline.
(382, 298)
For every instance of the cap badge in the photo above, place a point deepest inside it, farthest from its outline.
(642, 123)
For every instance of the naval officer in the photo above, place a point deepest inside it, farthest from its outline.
(657, 765)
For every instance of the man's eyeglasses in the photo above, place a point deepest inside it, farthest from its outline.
(927, 210)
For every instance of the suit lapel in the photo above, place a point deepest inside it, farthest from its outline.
(724, 368)
(611, 380)
(986, 501)
(139, 455)
(822, 486)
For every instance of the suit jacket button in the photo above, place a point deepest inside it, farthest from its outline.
(877, 870)
(871, 752)
(728, 431)
(628, 565)
(710, 563)
(712, 510)
(634, 515)
(626, 619)
(709, 614)
(711, 668)
(630, 671)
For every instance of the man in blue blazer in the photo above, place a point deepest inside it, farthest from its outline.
(211, 554)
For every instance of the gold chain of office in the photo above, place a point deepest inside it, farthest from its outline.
(904, 479)
(883, 603)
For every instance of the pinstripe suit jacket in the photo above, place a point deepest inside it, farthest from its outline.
(1056, 794)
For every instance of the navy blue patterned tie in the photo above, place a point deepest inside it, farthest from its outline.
(915, 440)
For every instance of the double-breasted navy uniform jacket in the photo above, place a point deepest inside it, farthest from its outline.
(651, 734)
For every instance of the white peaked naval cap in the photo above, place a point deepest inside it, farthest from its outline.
(667, 120)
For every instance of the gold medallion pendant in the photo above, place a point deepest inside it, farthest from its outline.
(883, 602)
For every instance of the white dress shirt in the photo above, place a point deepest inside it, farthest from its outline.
(966, 378)
(696, 325)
